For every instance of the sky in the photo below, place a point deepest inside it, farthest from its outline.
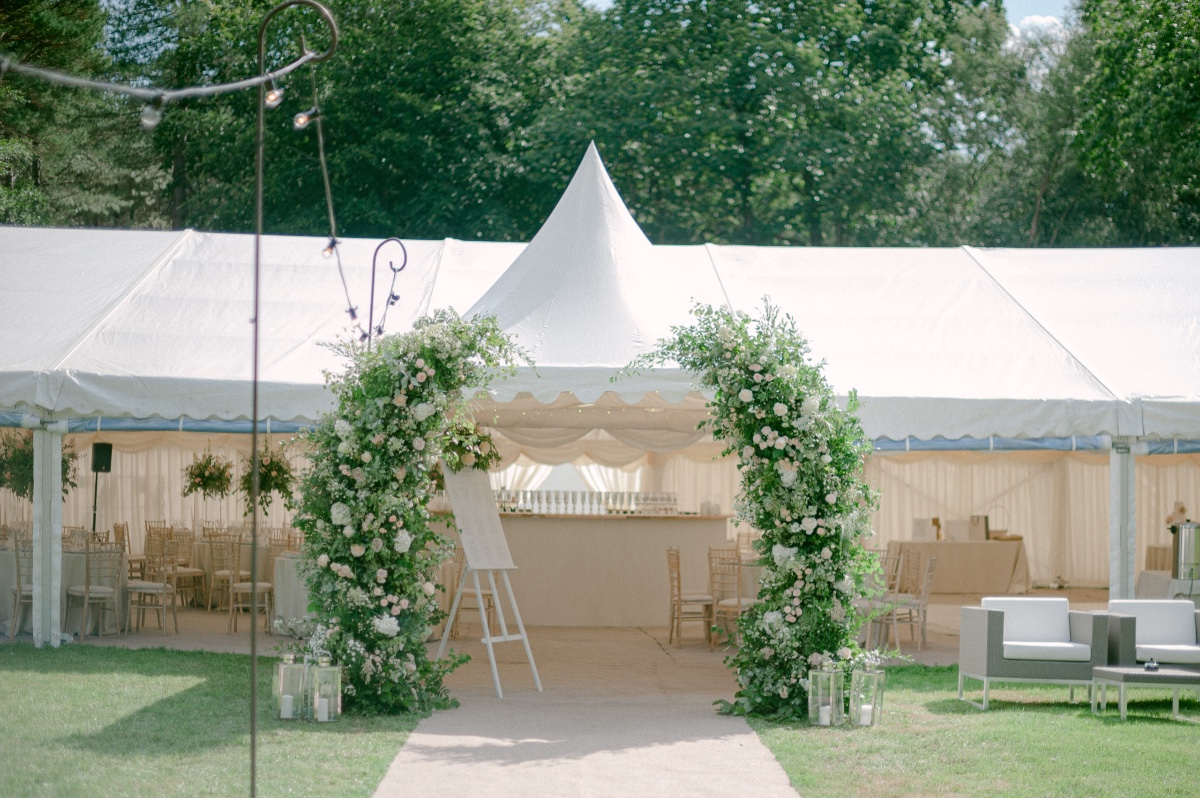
(1016, 10)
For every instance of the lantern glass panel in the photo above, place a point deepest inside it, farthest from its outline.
(289, 688)
(825, 696)
(325, 691)
(866, 697)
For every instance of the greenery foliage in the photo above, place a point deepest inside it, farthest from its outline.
(867, 122)
(371, 556)
(16, 464)
(801, 459)
(275, 476)
(210, 475)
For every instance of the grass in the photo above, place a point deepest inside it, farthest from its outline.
(91, 721)
(1031, 742)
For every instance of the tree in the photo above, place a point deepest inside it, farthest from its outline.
(1140, 136)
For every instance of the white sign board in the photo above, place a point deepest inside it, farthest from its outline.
(474, 505)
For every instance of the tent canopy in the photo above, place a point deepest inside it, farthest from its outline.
(953, 343)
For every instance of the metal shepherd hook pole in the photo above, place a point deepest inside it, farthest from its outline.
(254, 457)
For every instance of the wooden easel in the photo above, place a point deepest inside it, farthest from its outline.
(486, 551)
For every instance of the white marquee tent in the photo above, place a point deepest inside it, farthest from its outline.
(1068, 356)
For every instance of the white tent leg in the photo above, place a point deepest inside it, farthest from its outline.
(47, 535)
(1122, 524)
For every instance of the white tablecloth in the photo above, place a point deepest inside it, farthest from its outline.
(202, 558)
(74, 572)
(1160, 585)
(987, 567)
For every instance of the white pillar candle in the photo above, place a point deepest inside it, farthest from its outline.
(823, 716)
(864, 715)
(286, 708)
(322, 709)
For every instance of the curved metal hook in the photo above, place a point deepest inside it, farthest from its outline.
(371, 329)
(315, 6)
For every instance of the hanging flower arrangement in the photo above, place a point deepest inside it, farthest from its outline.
(371, 558)
(801, 459)
(210, 475)
(16, 464)
(275, 476)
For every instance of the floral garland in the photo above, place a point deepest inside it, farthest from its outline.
(801, 458)
(16, 464)
(274, 476)
(371, 557)
(210, 475)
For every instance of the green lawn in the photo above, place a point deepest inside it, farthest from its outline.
(91, 721)
(1030, 742)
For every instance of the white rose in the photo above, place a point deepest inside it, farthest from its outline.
(381, 575)
(348, 531)
(342, 428)
(421, 376)
(323, 561)
(376, 545)
(782, 554)
(755, 367)
(745, 395)
(428, 588)
(747, 452)
(810, 405)
(366, 457)
(826, 553)
(831, 497)
(410, 666)
(420, 362)
(809, 524)
(826, 459)
(402, 542)
(344, 448)
(423, 411)
(386, 625)
(358, 550)
(781, 409)
(339, 514)
(843, 653)
(419, 444)
(781, 442)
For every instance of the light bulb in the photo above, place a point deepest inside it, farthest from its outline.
(274, 95)
(304, 118)
(151, 116)
(328, 251)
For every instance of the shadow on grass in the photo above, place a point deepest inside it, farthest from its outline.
(211, 714)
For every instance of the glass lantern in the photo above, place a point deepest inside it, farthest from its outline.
(825, 696)
(324, 691)
(289, 688)
(866, 697)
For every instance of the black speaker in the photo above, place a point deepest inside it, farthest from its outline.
(102, 458)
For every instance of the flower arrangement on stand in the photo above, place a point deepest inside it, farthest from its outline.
(16, 464)
(370, 554)
(801, 459)
(211, 476)
(275, 476)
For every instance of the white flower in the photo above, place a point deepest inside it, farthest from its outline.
(376, 545)
(339, 514)
(344, 448)
(783, 692)
(747, 452)
(831, 497)
(358, 550)
(423, 411)
(810, 405)
(843, 653)
(386, 625)
(418, 443)
(782, 554)
(410, 666)
(366, 457)
(781, 442)
(772, 619)
(402, 541)
(758, 378)
(826, 459)
(755, 367)
(420, 363)
(323, 561)
(826, 553)
(781, 409)
(348, 531)
(815, 659)
(468, 459)
(745, 395)
(428, 588)
(421, 376)
(377, 591)
(342, 428)
(788, 477)
(809, 524)
(787, 371)
(400, 400)
(381, 575)
(400, 474)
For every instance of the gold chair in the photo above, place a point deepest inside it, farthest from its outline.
(158, 586)
(886, 609)
(101, 583)
(241, 595)
(120, 536)
(912, 610)
(225, 556)
(22, 590)
(189, 580)
(725, 576)
(686, 606)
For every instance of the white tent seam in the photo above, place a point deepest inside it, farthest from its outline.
(437, 275)
(709, 248)
(166, 257)
(1040, 325)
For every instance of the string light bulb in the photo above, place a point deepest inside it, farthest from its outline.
(305, 118)
(329, 248)
(274, 95)
(152, 114)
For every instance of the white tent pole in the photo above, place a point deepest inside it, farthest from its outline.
(1122, 523)
(47, 533)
